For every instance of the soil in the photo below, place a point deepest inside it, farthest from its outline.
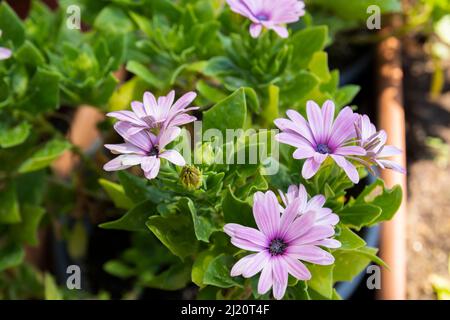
(428, 233)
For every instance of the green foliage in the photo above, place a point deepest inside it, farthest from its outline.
(175, 229)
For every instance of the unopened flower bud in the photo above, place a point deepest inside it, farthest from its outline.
(191, 177)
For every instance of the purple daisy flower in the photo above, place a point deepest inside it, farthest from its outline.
(324, 216)
(279, 244)
(269, 14)
(320, 137)
(374, 142)
(143, 148)
(5, 53)
(157, 114)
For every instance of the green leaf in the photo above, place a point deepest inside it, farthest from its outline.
(236, 210)
(201, 264)
(51, 289)
(345, 95)
(145, 74)
(45, 155)
(26, 231)
(299, 87)
(117, 194)
(9, 208)
(349, 240)
(11, 25)
(229, 113)
(218, 273)
(11, 256)
(119, 269)
(306, 42)
(359, 215)
(319, 66)
(388, 200)
(176, 232)
(137, 189)
(13, 136)
(114, 20)
(322, 279)
(271, 111)
(77, 242)
(174, 278)
(348, 264)
(134, 220)
(210, 92)
(202, 225)
(357, 10)
(29, 54)
(43, 92)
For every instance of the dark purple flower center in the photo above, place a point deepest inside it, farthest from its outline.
(154, 151)
(262, 17)
(277, 246)
(322, 148)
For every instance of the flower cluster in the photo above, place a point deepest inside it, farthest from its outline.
(269, 14)
(147, 130)
(348, 137)
(283, 240)
(5, 53)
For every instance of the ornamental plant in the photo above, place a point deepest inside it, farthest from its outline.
(209, 84)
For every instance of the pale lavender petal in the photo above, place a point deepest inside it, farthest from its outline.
(148, 163)
(302, 124)
(256, 264)
(5, 53)
(124, 148)
(310, 168)
(392, 165)
(280, 277)
(265, 279)
(317, 232)
(349, 168)
(184, 101)
(255, 30)
(296, 268)
(328, 117)
(290, 213)
(389, 151)
(167, 136)
(154, 170)
(315, 120)
(303, 153)
(150, 104)
(127, 116)
(315, 202)
(115, 164)
(350, 151)
(141, 139)
(292, 139)
(241, 265)
(246, 245)
(173, 156)
(281, 31)
(300, 226)
(246, 233)
(138, 109)
(329, 243)
(179, 120)
(319, 157)
(310, 253)
(266, 211)
(132, 159)
(343, 128)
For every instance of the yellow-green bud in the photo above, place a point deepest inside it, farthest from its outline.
(191, 177)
